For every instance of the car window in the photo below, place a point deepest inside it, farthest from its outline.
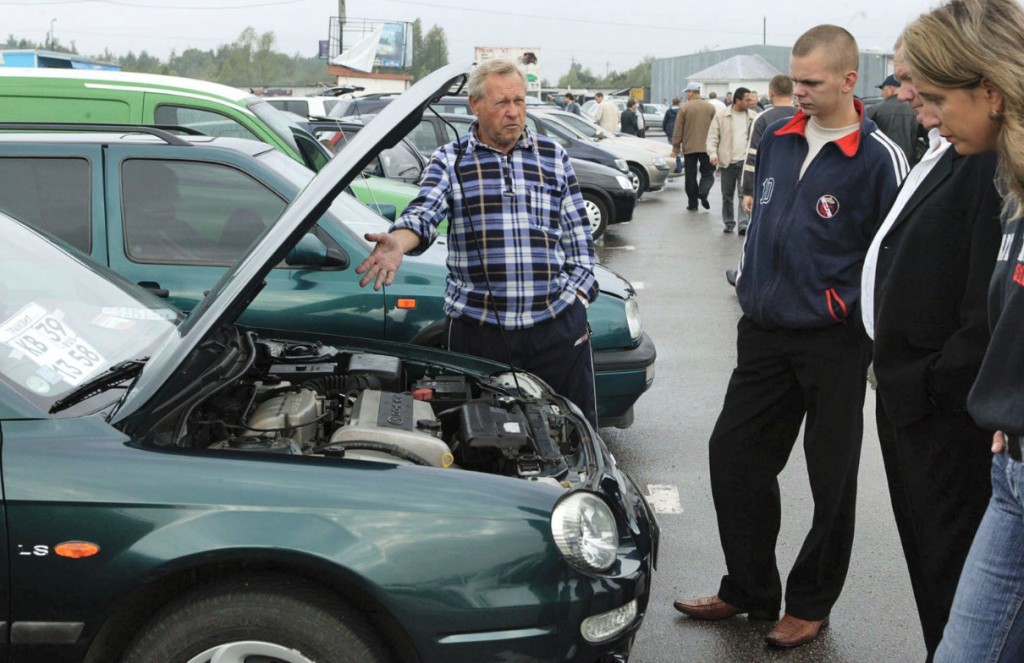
(424, 137)
(190, 212)
(297, 106)
(52, 194)
(401, 162)
(209, 122)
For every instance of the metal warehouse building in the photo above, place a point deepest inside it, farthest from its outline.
(670, 75)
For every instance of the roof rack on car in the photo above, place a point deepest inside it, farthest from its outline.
(164, 132)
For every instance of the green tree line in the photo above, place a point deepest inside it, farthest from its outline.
(252, 60)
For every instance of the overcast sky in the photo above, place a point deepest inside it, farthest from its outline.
(597, 33)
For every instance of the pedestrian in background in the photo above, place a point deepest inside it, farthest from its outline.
(897, 119)
(720, 106)
(928, 268)
(668, 124)
(967, 63)
(641, 122)
(521, 257)
(606, 114)
(780, 90)
(727, 150)
(629, 119)
(690, 138)
(570, 104)
(823, 180)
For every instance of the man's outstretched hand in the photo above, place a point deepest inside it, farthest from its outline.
(383, 262)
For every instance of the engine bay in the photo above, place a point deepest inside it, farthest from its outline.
(317, 400)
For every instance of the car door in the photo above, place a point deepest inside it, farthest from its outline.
(175, 225)
(57, 188)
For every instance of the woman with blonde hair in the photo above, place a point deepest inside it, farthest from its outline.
(967, 63)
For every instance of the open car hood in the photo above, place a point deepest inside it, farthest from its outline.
(240, 285)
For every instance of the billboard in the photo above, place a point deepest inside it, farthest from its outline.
(395, 41)
(527, 57)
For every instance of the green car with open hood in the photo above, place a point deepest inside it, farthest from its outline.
(180, 489)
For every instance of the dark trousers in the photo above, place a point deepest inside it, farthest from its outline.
(556, 350)
(729, 177)
(693, 162)
(780, 376)
(939, 474)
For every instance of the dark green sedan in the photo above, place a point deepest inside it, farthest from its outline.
(183, 490)
(174, 212)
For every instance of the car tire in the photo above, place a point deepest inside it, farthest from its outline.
(643, 181)
(271, 618)
(597, 211)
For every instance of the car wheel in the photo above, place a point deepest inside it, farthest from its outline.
(597, 211)
(271, 619)
(638, 174)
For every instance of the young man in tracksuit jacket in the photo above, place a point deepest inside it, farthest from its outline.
(801, 346)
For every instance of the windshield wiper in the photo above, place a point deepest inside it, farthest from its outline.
(115, 376)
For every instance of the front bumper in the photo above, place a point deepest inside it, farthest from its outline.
(622, 376)
(551, 630)
(623, 202)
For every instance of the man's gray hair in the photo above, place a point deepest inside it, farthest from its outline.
(496, 66)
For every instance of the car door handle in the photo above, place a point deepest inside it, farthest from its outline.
(155, 288)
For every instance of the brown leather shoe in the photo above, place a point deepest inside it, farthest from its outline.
(792, 631)
(713, 608)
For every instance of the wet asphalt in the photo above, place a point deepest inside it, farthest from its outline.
(678, 260)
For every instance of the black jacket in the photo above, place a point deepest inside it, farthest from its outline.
(629, 123)
(931, 282)
(897, 120)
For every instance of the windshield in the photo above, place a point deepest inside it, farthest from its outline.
(276, 120)
(64, 320)
(577, 124)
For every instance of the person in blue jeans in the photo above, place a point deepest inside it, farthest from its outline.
(967, 63)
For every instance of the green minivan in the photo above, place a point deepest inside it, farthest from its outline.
(114, 97)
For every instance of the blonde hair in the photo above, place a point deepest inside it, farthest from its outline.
(961, 43)
(476, 87)
(838, 44)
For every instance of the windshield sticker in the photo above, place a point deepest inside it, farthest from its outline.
(129, 313)
(37, 384)
(44, 338)
(112, 323)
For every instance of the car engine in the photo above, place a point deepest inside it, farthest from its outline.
(316, 400)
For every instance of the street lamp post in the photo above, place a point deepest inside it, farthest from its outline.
(50, 39)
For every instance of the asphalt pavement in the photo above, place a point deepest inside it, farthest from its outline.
(677, 259)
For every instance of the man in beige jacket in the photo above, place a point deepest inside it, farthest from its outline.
(606, 114)
(690, 139)
(727, 150)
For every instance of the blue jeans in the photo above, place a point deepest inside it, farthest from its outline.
(986, 624)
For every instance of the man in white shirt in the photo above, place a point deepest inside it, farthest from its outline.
(727, 150)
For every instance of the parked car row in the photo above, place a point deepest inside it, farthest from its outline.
(182, 488)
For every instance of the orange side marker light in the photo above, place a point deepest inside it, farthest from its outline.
(76, 549)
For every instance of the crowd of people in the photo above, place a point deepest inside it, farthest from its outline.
(888, 237)
(870, 240)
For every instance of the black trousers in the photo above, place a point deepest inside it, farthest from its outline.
(939, 474)
(556, 350)
(781, 376)
(694, 162)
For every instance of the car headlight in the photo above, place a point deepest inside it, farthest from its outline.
(624, 182)
(585, 532)
(633, 318)
(622, 165)
(609, 624)
(660, 163)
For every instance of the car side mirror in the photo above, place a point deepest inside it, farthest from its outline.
(311, 252)
(387, 210)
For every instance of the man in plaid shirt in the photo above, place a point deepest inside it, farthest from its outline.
(521, 254)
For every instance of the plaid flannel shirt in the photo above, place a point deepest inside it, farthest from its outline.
(527, 212)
